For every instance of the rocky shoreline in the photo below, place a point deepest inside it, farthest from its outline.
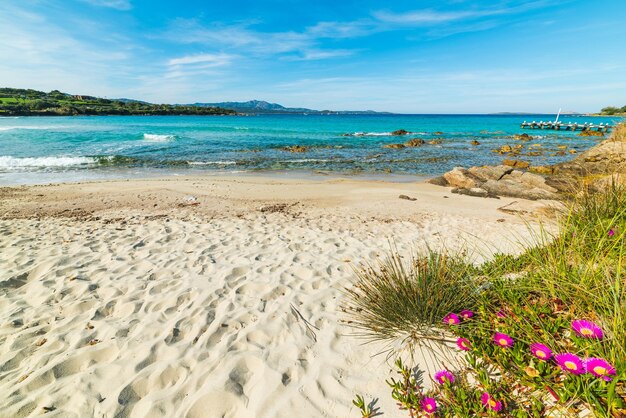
(594, 170)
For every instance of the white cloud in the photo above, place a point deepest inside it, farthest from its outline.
(113, 4)
(206, 60)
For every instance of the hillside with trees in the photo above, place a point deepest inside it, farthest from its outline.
(613, 111)
(27, 102)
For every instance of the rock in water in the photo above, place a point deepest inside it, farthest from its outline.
(415, 142)
(394, 146)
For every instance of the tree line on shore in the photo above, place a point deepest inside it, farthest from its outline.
(613, 110)
(27, 102)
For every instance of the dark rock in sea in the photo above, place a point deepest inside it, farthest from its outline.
(394, 146)
(405, 197)
(415, 142)
(516, 163)
(522, 137)
(438, 133)
(592, 133)
(400, 132)
(435, 141)
(474, 142)
(295, 148)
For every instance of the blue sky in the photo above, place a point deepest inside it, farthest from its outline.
(455, 56)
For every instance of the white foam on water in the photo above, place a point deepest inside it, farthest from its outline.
(158, 138)
(384, 134)
(306, 160)
(41, 127)
(211, 162)
(16, 163)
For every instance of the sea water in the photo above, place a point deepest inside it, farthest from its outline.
(49, 149)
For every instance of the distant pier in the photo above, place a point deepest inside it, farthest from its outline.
(558, 126)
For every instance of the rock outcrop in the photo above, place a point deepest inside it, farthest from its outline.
(595, 170)
(492, 181)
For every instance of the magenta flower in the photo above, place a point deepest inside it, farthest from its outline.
(587, 329)
(599, 367)
(611, 232)
(463, 344)
(501, 314)
(540, 351)
(490, 403)
(503, 340)
(451, 319)
(570, 363)
(466, 314)
(429, 405)
(442, 377)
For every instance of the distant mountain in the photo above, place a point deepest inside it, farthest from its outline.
(261, 106)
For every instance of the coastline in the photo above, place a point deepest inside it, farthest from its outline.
(188, 296)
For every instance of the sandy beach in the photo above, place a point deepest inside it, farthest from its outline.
(211, 296)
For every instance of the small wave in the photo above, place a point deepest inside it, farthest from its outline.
(158, 138)
(305, 160)
(211, 162)
(12, 163)
(383, 134)
(37, 128)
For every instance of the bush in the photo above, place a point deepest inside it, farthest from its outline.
(539, 297)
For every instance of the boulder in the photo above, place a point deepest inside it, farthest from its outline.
(415, 142)
(400, 132)
(489, 172)
(512, 188)
(438, 133)
(435, 141)
(460, 177)
(439, 181)
(394, 146)
(295, 148)
(541, 169)
(474, 142)
(516, 163)
(474, 191)
(591, 133)
(605, 183)
(522, 137)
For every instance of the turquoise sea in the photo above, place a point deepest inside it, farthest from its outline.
(51, 149)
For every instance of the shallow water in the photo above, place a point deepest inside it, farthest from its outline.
(48, 149)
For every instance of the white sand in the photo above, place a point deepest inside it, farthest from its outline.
(144, 311)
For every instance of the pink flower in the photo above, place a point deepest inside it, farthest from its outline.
(599, 367)
(466, 314)
(463, 344)
(540, 351)
(503, 340)
(429, 405)
(611, 232)
(501, 314)
(570, 363)
(442, 377)
(451, 319)
(587, 329)
(490, 403)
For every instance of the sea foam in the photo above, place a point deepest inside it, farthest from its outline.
(158, 138)
(14, 163)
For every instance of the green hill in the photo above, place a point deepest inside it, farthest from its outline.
(27, 102)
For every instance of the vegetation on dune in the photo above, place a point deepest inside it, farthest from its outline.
(23, 102)
(544, 333)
